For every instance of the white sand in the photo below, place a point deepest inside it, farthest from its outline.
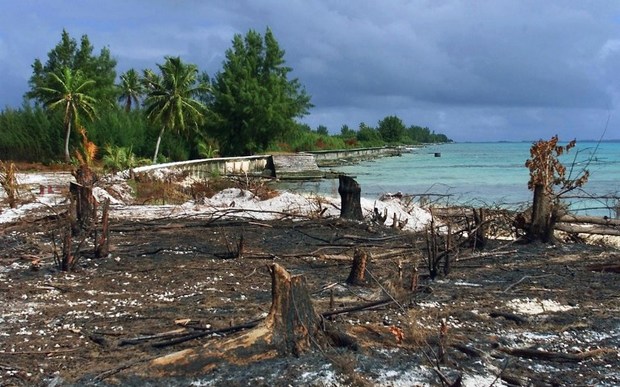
(229, 203)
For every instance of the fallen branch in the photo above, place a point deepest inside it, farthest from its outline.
(120, 368)
(206, 332)
(509, 316)
(605, 267)
(374, 304)
(523, 279)
(141, 339)
(46, 353)
(556, 356)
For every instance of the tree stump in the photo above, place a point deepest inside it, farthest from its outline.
(543, 221)
(350, 195)
(358, 269)
(291, 328)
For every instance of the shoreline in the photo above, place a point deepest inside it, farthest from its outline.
(47, 191)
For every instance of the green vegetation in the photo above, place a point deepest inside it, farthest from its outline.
(254, 102)
(68, 92)
(98, 68)
(170, 101)
(251, 106)
(131, 89)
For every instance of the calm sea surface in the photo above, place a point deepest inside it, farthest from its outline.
(481, 174)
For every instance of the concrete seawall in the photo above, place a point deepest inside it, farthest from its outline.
(330, 158)
(300, 166)
(222, 166)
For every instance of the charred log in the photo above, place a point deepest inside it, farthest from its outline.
(350, 196)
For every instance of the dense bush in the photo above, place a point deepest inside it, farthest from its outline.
(30, 134)
(251, 107)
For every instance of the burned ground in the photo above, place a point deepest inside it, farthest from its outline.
(511, 314)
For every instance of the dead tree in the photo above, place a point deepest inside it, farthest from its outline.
(83, 207)
(438, 249)
(83, 202)
(547, 174)
(479, 238)
(291, 328)
(68, 259)
(350, 196)
(102, 244)
(358, 269)
(8, 181)
(543, 222)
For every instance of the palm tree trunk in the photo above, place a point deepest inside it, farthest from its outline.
(157, 145)
(67, 137)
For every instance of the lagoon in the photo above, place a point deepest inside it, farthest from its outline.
(482, 174)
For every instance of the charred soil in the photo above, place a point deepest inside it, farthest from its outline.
(510, 314)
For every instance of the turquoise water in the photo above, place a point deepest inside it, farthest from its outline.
(482, 174)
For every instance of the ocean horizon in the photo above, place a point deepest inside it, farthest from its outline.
(483, 174)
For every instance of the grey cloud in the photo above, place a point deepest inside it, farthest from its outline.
(475, 70)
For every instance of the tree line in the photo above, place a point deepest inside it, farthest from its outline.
(175, 111)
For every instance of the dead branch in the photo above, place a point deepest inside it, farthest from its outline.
(141, 339)
(556, 356)
(509, 316)
(206, 332)
(524, 278)
(605, 267)
(120, 368)
(359, 308)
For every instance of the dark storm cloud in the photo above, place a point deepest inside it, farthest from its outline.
(474, 70)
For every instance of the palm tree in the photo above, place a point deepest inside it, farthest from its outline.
(171, 100)
(131, 89)
(68, 91)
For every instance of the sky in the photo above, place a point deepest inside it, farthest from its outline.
(481, 70)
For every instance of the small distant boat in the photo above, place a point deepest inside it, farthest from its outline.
(409, 149)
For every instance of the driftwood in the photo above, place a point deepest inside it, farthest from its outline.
(577, 229)
(601, 221)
